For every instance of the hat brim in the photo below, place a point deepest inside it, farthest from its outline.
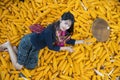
(100, 30)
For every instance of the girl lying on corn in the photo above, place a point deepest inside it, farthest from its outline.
(54, 36)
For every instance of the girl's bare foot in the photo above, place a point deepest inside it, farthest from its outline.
(3, 47)
(14, 48)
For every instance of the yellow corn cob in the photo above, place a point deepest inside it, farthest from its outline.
(96, 50)
(91, 40)
(42, 61)
(109, 14)
(111, 47)
(95, 62)
(12, 77)
(15, 12)
(2, 3)
(45, 54)
(99, 73)
(39, 75)
(1, 11)
(43, 8)
(80, 58)
(98, 77)
(85, 77)
(24, 13)
(115, 47)
(21, 78)
(33, 4)
(100, 51)
(67, 68)
(5, 12)
(87, 47)
(2, 73)
(65, 77)
(78, 69)
(116, 16)
(30, 15)
(14, 72)
(26, 5)
(55, 63)
(14, 7)
(61, 57)
(93, 13)
(14, 30)
(101, 62)
(91, 56)
(27, 72)
(3, 62)
(24, 73)
(116, 70)
(81, 68)
(8, 4)
(60, 64)
(70, 60)
(63, 65)
(16, 77)
(66, 73)
(4, 19)
(97, 45)
(50, 75)
(50, 58)
(84, 5)
(28, 21)
(82, 48)
(94, 77)
(15, 40)
(48, 54)
(32, 72)
(7, 77)
(43, 14)
(77, 4)
(70, 71)
(46, 70)
(54, 75)
(41, 52)
(102, 9)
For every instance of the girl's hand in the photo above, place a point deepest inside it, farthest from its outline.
(82, 42)
(70, 49)
(79, 41)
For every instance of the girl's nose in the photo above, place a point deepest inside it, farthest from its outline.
(67, 26)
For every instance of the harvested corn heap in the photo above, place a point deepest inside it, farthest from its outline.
(97, 61)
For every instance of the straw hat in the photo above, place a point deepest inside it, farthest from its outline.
(100, 30)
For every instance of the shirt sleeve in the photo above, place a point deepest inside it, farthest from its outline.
(71, 41)
(49, 41)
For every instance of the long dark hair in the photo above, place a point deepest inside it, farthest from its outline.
(65, 16)
(69, 16)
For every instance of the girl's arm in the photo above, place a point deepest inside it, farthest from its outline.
(79, 41)
(68, 48)
(49, 41)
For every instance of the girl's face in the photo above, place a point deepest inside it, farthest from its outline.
(65, 24)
